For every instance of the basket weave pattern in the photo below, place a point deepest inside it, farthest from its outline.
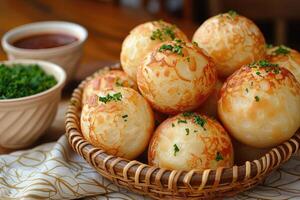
(161, 183)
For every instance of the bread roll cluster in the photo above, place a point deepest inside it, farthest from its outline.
(174, 96)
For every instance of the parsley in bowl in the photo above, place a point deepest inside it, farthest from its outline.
(30, 91)
(19, 80)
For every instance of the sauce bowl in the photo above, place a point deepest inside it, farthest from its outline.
(67, 56)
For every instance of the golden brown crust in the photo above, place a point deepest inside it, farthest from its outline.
(174, 83)
(123, 127)
(139, 43)
(260, 106)
(108, 80)
(231, 42)
(198, 146)
(290, 60)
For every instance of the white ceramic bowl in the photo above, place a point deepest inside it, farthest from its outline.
(23, 120)
(67, 56)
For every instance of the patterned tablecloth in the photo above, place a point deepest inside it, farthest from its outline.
(55, 171)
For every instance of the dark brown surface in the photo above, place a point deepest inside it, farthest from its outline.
(107, 24)
(44, 41)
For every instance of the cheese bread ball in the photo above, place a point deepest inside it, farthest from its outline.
(260, 104)
(143, 39)
(121, 124)
(107, 80)
(190, 141)
(176, 76)
(210, 105)
(231, 40)
(287, 58)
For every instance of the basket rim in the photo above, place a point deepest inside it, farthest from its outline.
(138, 172)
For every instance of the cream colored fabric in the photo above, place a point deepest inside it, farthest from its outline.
(54, 171)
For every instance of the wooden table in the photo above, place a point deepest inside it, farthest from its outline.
(107, 24)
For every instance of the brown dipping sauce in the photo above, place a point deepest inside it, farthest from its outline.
(44, 41)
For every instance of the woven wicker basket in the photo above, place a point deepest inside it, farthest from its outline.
(161, 183)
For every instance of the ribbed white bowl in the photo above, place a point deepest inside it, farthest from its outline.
(23, 120)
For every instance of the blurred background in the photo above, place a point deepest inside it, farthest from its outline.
(109, 21)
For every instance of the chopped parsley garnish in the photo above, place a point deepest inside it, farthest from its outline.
(281, 50)
(163, 33)
(173, 125)
(176, 48)
(188, 59)
(269, 46)
(247, 90)
(181, 121)
(195, 43)
(125, 117)
(256, 98)
(197, 119)
(267, 65)
(109, 97)
(187, 131)
(200, 121)
(176, 149)
(119, 82)
(276, 70)
(157, 34)
(219, 156)
(22, 80)
(232, 13)
(258, 73)
(187, 114)
(263, 63)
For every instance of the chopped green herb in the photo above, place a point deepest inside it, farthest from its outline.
(119, 82)
(219, 156)
(109, 97)
(269, 46)
(197, 119)
(176, 149)
(187, 114)
(163, 33)
(247, 90)
(276, 70)
(157, 34)
(232, 13)
(200, 121)
(173, 125)
(22, 80)
(187, 131)
(266, 65)
(176, 48)
(195, 131)
(188, 59)
(258, 73)
(125, 117)
(195, 44)
(262, 63)
(181, 121)
(283, 50)
(256, 98)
